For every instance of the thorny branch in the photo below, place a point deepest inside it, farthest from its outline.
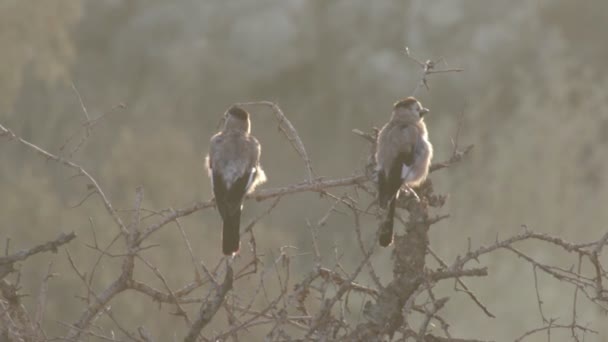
(290, 133)
(315, 306)
(211, 306)
(51, 246)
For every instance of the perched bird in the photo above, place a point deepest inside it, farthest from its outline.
(403, 156)
(234, 168)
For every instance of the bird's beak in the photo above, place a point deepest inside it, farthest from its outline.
(424, 111)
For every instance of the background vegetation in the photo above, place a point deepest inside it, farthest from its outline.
(533, 95)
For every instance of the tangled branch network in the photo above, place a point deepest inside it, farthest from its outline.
(314, 306)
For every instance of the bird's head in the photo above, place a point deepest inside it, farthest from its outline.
(237, 119)
(409, 109)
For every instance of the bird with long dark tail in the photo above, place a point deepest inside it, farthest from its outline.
(403, 156)
(234, 168)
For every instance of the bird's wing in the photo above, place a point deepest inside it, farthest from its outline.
(388, 185)
(215, 145)
(410, 136)
(229, 199)
(398, 156)
(408, 140)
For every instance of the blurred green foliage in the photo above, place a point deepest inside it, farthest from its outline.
(533, 94)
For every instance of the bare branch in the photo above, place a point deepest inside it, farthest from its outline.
(50, 246)
(290, 132)
(69, 164)
(209, 309)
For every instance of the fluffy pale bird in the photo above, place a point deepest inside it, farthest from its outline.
(234, 168)
(403, 157)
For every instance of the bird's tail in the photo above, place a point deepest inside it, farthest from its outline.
(386, 227)
(230, 232)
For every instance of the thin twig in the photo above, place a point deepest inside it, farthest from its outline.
(290, 132)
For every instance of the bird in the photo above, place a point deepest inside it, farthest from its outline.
(403, 156)
(233, 165)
